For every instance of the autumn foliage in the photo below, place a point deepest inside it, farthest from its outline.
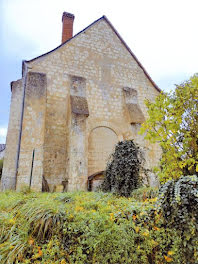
(173, 123)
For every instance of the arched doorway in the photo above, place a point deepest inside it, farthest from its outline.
(101, 144)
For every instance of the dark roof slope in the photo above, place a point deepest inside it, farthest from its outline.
(118, 35)
(2, 147)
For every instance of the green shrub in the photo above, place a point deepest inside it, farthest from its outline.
(122, 174)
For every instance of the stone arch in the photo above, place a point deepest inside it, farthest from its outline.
(101, 144)
(111, 125)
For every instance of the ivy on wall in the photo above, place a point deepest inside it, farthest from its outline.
(122, 174)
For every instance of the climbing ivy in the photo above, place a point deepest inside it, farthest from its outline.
(178, 206)
(178, 201)
(122, 174)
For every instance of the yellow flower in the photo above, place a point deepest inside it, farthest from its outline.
(63, 261)
(146, 233)
(71, 216)
(12, 221)
(134, 217)
(11, 247)
(153, 200)
(40, 253)
(79, 208)
(137, 229)
(170, 253)
(156, 228)
(31, 241)
(168, 259)
(111, 216)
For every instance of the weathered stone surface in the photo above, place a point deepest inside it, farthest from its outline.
(79, 105)
(77, 166)
(131, 99)
(12, 141)
(135, 112)
(30, 170)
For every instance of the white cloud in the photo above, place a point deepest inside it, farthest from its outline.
(3, 133)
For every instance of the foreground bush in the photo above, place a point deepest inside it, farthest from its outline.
(88, 228)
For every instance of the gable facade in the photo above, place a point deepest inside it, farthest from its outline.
(70, 109)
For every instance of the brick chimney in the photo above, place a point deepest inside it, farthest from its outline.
(67, 31)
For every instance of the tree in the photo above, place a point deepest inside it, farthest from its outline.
(173, 122)
(122, 174)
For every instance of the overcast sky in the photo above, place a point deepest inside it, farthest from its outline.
(163, 34)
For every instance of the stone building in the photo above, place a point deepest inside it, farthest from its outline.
(70, 108)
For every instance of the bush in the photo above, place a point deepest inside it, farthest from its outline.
(122, 174)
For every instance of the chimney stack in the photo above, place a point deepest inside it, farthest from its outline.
(67, 31)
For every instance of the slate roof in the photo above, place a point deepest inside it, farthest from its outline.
(2, 147)
(121, 39)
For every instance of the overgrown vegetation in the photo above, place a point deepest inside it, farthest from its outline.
(122, 174)
(90, 228)
(173, 122)
(178, 204)
(178, 201)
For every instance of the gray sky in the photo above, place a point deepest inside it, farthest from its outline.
(163, 34)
